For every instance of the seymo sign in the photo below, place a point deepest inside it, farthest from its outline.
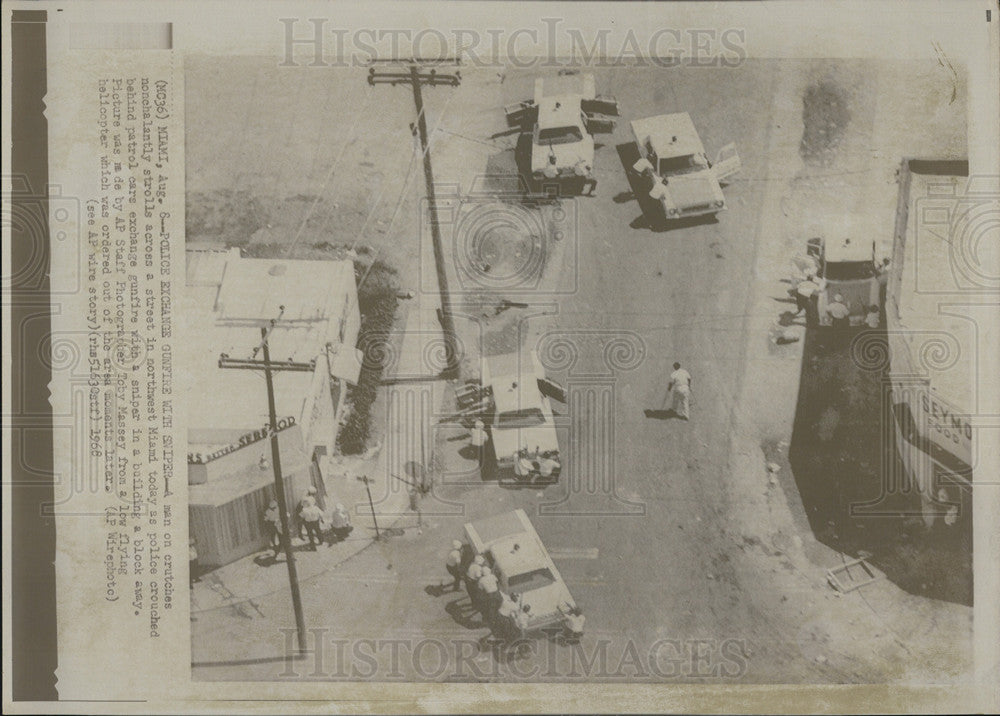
(250, 438)
(936, 428)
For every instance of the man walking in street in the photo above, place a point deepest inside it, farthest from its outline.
(311, 515)
(679, 389)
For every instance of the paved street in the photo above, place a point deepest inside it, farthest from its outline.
(688, 563)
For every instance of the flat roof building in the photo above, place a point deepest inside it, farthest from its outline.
(316, 320)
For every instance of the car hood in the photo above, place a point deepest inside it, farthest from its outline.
(567, 155)
(545, 602)
(694, 189)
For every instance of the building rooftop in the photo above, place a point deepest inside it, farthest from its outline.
(227, 300)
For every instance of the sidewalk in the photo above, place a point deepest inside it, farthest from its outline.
(258, 575)
(406, 410)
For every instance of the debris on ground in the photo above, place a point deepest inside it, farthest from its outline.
(844, 580)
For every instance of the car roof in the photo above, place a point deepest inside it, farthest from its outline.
(559, 111)
(847, 249)
(496, 527)
(670, 135)
(518, 554)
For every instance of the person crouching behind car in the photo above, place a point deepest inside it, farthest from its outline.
(472, 575)
(453, 564)
(489, 590)
(573, 621)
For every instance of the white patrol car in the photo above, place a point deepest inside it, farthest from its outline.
(846, 268)
(522, 565)
(562, 118)
(521, 423)
(678, 172)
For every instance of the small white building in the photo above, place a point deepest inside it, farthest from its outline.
(228, 300)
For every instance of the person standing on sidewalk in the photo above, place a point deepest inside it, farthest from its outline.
(272, 527)
(193, 562)
(340, 524)
(454, 564)
(311, 515)
(310, 496)
(679, 389)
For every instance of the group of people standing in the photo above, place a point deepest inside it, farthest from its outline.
(506, 615)
(310, 522)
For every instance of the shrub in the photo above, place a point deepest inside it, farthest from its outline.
(377, 301)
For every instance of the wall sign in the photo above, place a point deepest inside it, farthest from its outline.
(250, 438)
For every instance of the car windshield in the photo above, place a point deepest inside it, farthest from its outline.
(682, 164)
(521, 418)
(528, 581)
(559, 135)
(849, 270)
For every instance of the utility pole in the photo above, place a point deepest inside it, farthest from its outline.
(367, 480)
(279, 482)
(416, 78)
